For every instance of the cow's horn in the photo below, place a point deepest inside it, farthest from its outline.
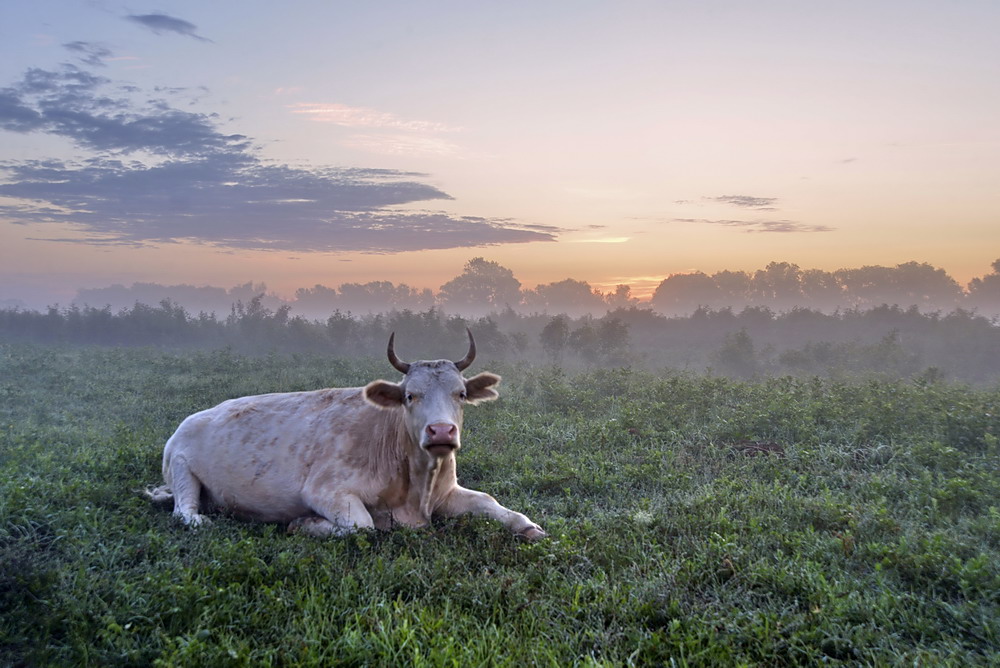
(399, 364)
(467, 360)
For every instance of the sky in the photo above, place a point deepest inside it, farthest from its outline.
(319, 142)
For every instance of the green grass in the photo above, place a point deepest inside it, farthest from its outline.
(869, 535)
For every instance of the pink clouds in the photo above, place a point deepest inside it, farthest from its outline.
(364, 117)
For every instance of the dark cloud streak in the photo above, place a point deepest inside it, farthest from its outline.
(746, 201)
(162, 23)
(70, 103)
(758, 226)
(89, 53)
(204, 185)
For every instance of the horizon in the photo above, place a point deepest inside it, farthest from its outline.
(643, 294)
(612, 144)
(486, 287)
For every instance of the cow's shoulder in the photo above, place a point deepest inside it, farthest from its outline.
(375, 438)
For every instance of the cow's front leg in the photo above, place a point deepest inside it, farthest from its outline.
(336, 515)
(461, 501)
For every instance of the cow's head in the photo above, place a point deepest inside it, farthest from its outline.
(432, 394)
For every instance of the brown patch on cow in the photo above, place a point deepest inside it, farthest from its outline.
(328, 477)
(376, 441)
(326, 399)
(758, 448)
(394, 496)
(260, 469)
(242, 412)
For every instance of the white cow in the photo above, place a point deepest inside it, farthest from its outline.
(336, 460)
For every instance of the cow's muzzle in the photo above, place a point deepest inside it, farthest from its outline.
(441, 439)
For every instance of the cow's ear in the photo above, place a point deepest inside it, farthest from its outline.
(480, 387)
(383, 393)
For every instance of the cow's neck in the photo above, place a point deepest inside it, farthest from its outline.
(423, 486)
(420, 476)
(428, 475)
(389, 443)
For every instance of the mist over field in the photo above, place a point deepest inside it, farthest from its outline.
(907, 321)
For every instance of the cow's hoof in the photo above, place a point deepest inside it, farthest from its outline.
(313, 525)
(302, 525)
(194, 520)
(532, 534)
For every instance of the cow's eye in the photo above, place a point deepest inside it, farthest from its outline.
(409, 398)
(462, 395)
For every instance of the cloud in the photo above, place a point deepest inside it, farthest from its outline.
(243, 204)
(548, 229)
(162, 23)
(69, 102)
(89, 54)
(760, 225)
(363, 117)
(190, 181)
(395, 144)
(387, 133)
(745, 201)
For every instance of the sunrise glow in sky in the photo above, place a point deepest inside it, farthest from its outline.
(303, 143)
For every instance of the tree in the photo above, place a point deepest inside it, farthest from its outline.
(919, 283)
(259, 325)
(866, 286)
(777, 285)
(483, 286)
(738, 356)
(584, 340)
(984, 293)
(820, 290)
(612, 335)
(204, 298)
(316, 301)
(342, 330)
(554, 337)
(621, 297)
(382, 296)
(683, 293)
(908, 284)
(567, 296)
(734, 288)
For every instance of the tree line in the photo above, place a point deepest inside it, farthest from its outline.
(752, 342)
(486, 287)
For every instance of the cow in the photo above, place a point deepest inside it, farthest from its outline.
(329, 462)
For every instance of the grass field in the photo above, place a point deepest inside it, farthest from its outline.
(693, 521)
